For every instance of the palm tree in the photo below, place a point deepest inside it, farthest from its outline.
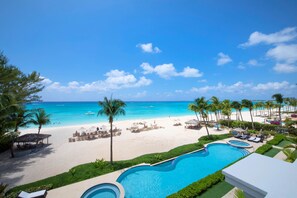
(41, 118)
(237, 106)
(22, 118)
(279, 99)
(216, 106)
(202, 106)
(227, 109)
(111, 108)
(193, 107)
(268, 106)
(248, 104)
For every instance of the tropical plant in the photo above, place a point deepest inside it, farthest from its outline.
(248, 104)
(239, 194)
(291, 157)
(227, 109)
(194, 108)
(111, 108)
(201, 105)
(41, 118)
(215, 102)
(269, 106)
(279, 99)
(237, 106)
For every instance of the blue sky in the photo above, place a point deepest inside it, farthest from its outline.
(154, 50)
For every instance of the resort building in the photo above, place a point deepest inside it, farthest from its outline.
(261, 176)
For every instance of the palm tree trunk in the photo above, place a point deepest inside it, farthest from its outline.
(111, 159)
(216, 114)
(240, 115)
(196, 115)
(11, 148)
(279, 112)
(252, 119)
(205, 125)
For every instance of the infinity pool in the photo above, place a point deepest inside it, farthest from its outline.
(169, 177)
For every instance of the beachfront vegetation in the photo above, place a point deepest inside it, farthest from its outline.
(41, 118)
(90, 170)
(279, 100)
(16, 89)
(248, 104)
(111, 108)
(200, 106)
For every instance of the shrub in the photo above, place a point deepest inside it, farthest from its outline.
(2, 189)
(206, 139)
(72, 171)
(263, 149)
(197, 188)
(277, 139)
(100, 164)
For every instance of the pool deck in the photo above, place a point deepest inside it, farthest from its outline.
(77, 189)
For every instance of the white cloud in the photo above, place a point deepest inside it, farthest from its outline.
(45, 80)
(286, 53)
(274, 86)
(241, 66)
(115, 79)
(285, 68)
(148, 48)
(202, 81)
(168, 70)
(140, 94)
(285, 35)
(236, 87)
(253, 62)
(223, 59)
(178, 91)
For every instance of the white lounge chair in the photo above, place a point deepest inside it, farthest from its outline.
(252, 138)
(37, 194)
(257, 139)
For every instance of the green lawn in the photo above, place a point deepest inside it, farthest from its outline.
(272, 152)
(218, 190)
(284, 143)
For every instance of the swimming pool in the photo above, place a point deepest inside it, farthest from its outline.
(169, 177)
(238, 143)
(105, 190)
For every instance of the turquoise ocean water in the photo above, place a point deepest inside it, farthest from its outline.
(75, 113)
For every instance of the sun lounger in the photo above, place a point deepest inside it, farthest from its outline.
(238, 135)
(257, 140)
(251, 138)
(37, 194)
(244, 136)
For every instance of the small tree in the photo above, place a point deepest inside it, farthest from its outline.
(279, 99)
(41, 118)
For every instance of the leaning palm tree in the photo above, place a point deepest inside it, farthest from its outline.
(111, 108)
(279, 99)
(193, 107)
(202, 106)
(216, 106)
(41, 118)
(249, 104)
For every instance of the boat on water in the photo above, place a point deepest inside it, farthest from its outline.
(89, 113)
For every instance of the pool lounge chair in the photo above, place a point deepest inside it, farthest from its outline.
(257, 140)
(245, 136)
(238, 135)
(37, 194)
(251, 138)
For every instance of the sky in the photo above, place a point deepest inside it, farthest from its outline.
(169, 50)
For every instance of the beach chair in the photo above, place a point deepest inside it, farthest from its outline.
(244, 136)
(251, 138)
(37, 194)
(238, 135)
(257, 140)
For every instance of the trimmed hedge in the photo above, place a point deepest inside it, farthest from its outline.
(197, 188)
(263, 149)
(258, 126)
(277, 139)
(207, 139)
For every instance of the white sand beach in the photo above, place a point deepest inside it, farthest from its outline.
(61, 155)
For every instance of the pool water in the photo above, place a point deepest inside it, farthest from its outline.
(105, 190)
(239, 143)
(167, 178)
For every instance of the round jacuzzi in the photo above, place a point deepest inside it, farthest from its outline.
(239, 144)
(105, 190)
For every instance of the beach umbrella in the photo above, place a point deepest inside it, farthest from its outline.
(92, 129)
(193, 122)
(240, 130)
(81, 129)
